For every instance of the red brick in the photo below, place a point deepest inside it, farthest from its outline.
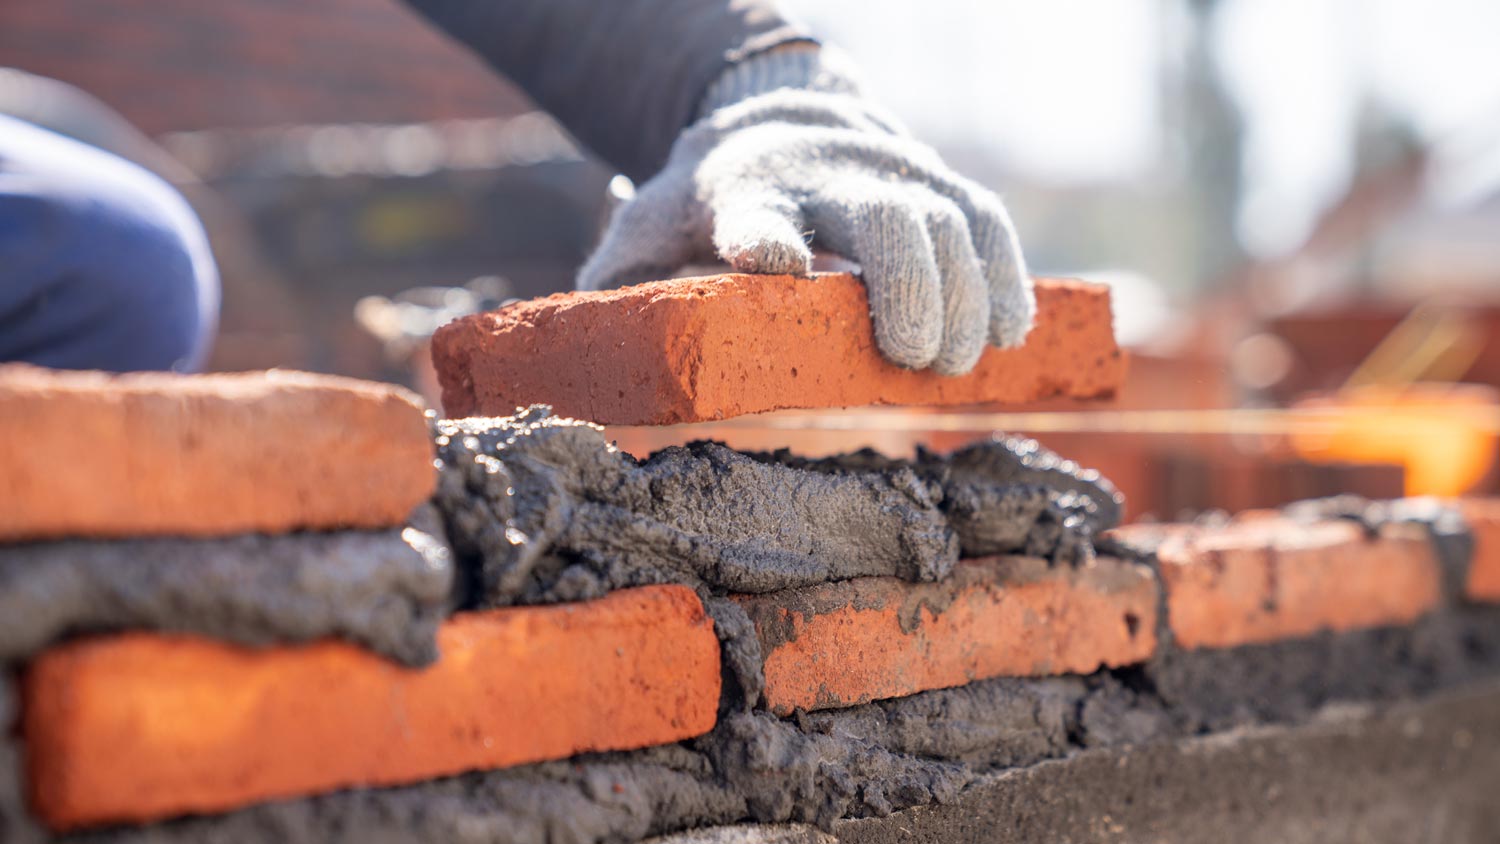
(1273, 578)
(841, 644)
(693, 350)
(339, 51)
(1483, 516)
(88, 454)
(141, 726)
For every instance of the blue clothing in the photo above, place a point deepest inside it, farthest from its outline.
(102, 264)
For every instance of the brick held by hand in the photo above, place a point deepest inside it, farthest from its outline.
(139, 727)
(692, 350)
(155, 454)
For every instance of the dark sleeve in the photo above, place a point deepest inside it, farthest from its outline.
(624, 76)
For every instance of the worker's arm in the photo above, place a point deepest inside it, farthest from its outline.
(756, 142)
(623, 75)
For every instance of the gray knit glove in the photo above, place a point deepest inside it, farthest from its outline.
(787, 150)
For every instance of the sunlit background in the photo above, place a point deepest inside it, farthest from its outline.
(1298, 203)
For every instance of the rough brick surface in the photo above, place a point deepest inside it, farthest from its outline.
(1483, 516)
(1272, 578)
(711, 348)
(143, 726)
(851, 642)
(89, 454)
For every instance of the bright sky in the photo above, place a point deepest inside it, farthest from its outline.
(1068, 90)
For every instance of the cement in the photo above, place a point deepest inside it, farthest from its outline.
(1007, 495)
(744, 677)
(1414, 772)
(1211, 690)
(16, 825)
(386, 590)
(548, 511)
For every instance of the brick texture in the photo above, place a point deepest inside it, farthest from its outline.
(1271, 578)
(87, 454)
(1483, 516)
(172, 65)
(693, 350)
(841, 644)
(140, 726)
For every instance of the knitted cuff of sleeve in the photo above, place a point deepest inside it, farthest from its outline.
(801, 65)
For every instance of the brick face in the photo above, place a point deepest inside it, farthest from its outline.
(139, 727)
(154, 454)
(846, 643)
(692, 350)
(1270, 578)
(171, 65)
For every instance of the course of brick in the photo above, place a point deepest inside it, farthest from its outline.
(1269, 578)
(143, 726)
(94, 455)
(1483, 518)
(851, 642)
(693, 350)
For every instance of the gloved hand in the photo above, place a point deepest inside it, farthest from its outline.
(786, 151)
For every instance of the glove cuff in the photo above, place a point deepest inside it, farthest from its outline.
(803, 66)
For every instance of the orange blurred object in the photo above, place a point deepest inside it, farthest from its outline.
(1444, 435)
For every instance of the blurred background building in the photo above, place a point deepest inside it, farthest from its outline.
(1296, 202)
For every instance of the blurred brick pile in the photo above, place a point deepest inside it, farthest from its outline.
(173, 65)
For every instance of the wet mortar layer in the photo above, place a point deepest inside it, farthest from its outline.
(543, 509)
(1415, 771)
(16, 824)
(928, 750)
(386, 590)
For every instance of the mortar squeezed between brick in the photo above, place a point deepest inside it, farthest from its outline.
(544, 510)
(385, 590)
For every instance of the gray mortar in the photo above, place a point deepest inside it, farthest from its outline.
(386, 590)
(1414, 772)
(927, 750)
(16, 825)
(551, 512)
(740, 653)
(1284, 681)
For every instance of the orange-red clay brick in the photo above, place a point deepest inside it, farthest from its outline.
(694, 350)
(840, 644)
(1273, 578)
(90, 454)
(1483, 516)
(139, 727)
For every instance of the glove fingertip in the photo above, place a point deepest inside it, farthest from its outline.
(959, 362)
(1011, 320)
(907, 348)
(778, 257)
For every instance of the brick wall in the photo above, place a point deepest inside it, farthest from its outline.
(186, 64)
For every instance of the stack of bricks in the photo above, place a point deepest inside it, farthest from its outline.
(144, 725)
(138, 726)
